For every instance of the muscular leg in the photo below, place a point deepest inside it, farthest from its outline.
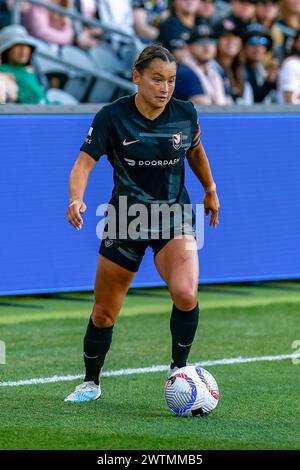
(179, 268)
(111, 285)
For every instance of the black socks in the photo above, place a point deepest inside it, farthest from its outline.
(96, 344)
(97, 341)
(183, 326)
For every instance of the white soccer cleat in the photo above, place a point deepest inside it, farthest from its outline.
(87, 391)
(172, 371)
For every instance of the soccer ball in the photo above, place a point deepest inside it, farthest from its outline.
(191, 391)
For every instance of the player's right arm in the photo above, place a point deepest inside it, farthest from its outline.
(77, 184)
(95, 145)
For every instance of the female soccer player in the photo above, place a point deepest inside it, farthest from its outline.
(146, 138)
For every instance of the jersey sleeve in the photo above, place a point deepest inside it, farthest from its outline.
(196, 130)
(97, 140)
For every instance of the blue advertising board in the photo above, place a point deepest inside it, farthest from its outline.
(255, 160)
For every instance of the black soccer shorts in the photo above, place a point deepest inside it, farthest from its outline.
(129, 253)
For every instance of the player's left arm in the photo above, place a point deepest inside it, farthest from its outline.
(199, 164)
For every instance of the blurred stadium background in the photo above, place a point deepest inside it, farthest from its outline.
(80, 55)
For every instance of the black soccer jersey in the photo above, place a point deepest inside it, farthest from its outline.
(147, 155)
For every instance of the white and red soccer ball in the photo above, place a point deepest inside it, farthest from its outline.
(191, 391)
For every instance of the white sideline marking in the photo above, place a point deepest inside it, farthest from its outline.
(147, 370)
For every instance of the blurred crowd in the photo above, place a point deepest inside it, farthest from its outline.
(237, 51)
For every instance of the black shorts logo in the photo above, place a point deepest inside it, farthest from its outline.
(177, 140)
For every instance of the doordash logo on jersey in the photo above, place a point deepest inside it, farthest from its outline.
(151, 162)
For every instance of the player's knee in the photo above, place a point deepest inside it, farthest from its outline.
(102, 316)
(185, 296)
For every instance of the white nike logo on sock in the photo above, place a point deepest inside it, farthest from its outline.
(184, 345)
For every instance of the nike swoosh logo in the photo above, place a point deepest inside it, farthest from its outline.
(130, 142)
(184, 345)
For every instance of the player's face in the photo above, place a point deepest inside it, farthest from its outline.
(156, 83)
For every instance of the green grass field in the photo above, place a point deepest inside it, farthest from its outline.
(260, 401)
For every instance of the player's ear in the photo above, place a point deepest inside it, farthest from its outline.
(136, 77)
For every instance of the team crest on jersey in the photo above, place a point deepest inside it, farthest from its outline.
(177, 140)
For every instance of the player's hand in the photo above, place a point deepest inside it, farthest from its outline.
(212, 204)
(75, 209)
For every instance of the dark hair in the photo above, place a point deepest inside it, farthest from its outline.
(155, 51)
(4, 57)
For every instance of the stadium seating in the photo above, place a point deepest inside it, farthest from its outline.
(103, 57)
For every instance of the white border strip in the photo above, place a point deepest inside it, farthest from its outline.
(147, 370)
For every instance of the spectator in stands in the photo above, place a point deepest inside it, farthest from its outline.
(8, 88)
(117, 14)
(147, 16)
(289, 75)
(287, 26)
(87, 36)
(5, 14)
(242, 13)
(180, 50)
(3, 78)
(6, 7)
(114, 14)
(206, 11)
(229, 58)
(267, 12)
(198, 79)
(180, 23)
(49, 26)
(16, 48)
(262, 80)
